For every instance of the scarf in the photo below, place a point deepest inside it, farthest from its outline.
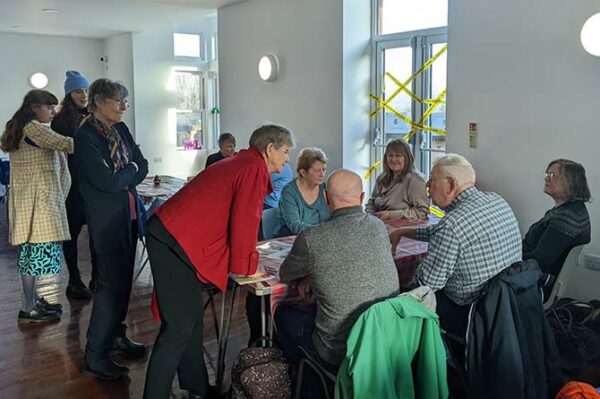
(119, 154)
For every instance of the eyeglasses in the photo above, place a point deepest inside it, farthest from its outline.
(121, 102)
(549, 176)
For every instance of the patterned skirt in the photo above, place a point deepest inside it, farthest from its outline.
(40, 259)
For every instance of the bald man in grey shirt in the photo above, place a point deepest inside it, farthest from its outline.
(349, 265)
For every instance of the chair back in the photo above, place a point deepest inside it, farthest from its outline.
(563, 277)
(270, 223)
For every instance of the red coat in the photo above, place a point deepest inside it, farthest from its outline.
(215, 217)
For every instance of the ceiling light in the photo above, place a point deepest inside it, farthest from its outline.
(38, 80)
(590, 35)
(268, 67)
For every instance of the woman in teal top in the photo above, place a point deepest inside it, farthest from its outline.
(302, 202)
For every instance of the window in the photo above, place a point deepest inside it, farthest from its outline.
(190, 114)
(409, 86)
(186, 45)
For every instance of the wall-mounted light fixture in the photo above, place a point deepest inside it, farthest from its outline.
(38, 80)
(268, 67)
(590, 35)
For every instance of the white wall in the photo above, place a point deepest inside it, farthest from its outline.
(518, 69)
(119, 66)
(23, 55)
(153, 62)
(307, 38)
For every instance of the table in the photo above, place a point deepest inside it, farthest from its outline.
(153, 196)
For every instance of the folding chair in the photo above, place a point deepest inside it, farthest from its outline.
(561, 280)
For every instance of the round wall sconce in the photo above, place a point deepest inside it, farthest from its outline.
(268, 67)
(38, 80)
(590, 35)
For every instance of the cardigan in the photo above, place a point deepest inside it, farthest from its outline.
(406, 198)
(296, 214)
(106, 191)
(214, 218)
(550, 239)
(39, 184)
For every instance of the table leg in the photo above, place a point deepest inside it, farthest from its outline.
(224, 335)
(263, 321)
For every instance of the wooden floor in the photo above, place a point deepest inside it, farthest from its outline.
(45, 361)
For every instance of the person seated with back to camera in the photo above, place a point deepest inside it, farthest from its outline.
(302, 202)
(566, 225)
(399, 192)
(477, 239)
(348, 264)
(226, 149)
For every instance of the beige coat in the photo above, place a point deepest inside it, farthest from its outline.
(39, 184)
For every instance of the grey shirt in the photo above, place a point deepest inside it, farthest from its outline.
(348, 260)
(406, 198)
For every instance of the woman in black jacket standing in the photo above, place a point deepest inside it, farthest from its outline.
(72, 112)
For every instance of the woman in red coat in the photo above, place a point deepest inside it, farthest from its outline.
(196, 238)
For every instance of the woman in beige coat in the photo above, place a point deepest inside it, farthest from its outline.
(39, 184)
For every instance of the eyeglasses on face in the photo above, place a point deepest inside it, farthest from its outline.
(549, 176)
(121, 102)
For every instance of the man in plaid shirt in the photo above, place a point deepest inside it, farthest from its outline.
(477, 239)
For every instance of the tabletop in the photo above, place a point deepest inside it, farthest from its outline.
(272, 252)
(167, 187)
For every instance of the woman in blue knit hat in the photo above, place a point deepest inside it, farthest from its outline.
(73, 112)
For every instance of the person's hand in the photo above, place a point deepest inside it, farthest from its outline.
(395, 237)
(383, 215)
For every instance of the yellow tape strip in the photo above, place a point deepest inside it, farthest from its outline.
(436, 212)
(372, 169)
(426, 114)
(407, 82)
(403, 87)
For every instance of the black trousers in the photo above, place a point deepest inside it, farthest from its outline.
(111, 300)
(178, 346)
(453, 318)
(76, 219)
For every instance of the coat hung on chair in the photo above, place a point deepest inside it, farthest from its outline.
(511, 352)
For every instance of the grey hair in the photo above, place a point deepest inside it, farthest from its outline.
(271, 134)
(458, 168)
(308, 156)
(103, 89)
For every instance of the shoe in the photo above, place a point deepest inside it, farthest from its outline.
(105, 369)
(93, 286)
(49, 307)
(37, 315)
(128, 347)
(78, 290)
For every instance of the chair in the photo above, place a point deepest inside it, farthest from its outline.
(270, 223)
(561, 280)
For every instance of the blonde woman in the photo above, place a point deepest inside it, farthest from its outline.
(400, 191)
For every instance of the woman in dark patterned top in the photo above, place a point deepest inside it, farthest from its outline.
(565, 226)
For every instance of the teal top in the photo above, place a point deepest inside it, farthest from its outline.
(296, 214)
(394, 350)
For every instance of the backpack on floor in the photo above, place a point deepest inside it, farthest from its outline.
(260, 373)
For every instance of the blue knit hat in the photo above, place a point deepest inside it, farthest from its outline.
(75, 81)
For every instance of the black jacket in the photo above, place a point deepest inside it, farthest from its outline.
(511, 350)
(106, 202)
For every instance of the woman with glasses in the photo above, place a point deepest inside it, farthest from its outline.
(73, 110)
(399, 191)
(110, 167)
(39, 183)
(566, 225)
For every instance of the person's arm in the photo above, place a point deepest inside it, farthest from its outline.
(246, 211)
(397, 234)
(414, 200)
(60, 125)
(137, 157)
(44, 137)
(442, 256)
(94, 168)
(289, 206)
(297, 263)
(370, 208)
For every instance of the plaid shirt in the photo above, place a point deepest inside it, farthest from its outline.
(478, 238)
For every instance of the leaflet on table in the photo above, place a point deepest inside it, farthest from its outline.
(255, 278)
(275, 250)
